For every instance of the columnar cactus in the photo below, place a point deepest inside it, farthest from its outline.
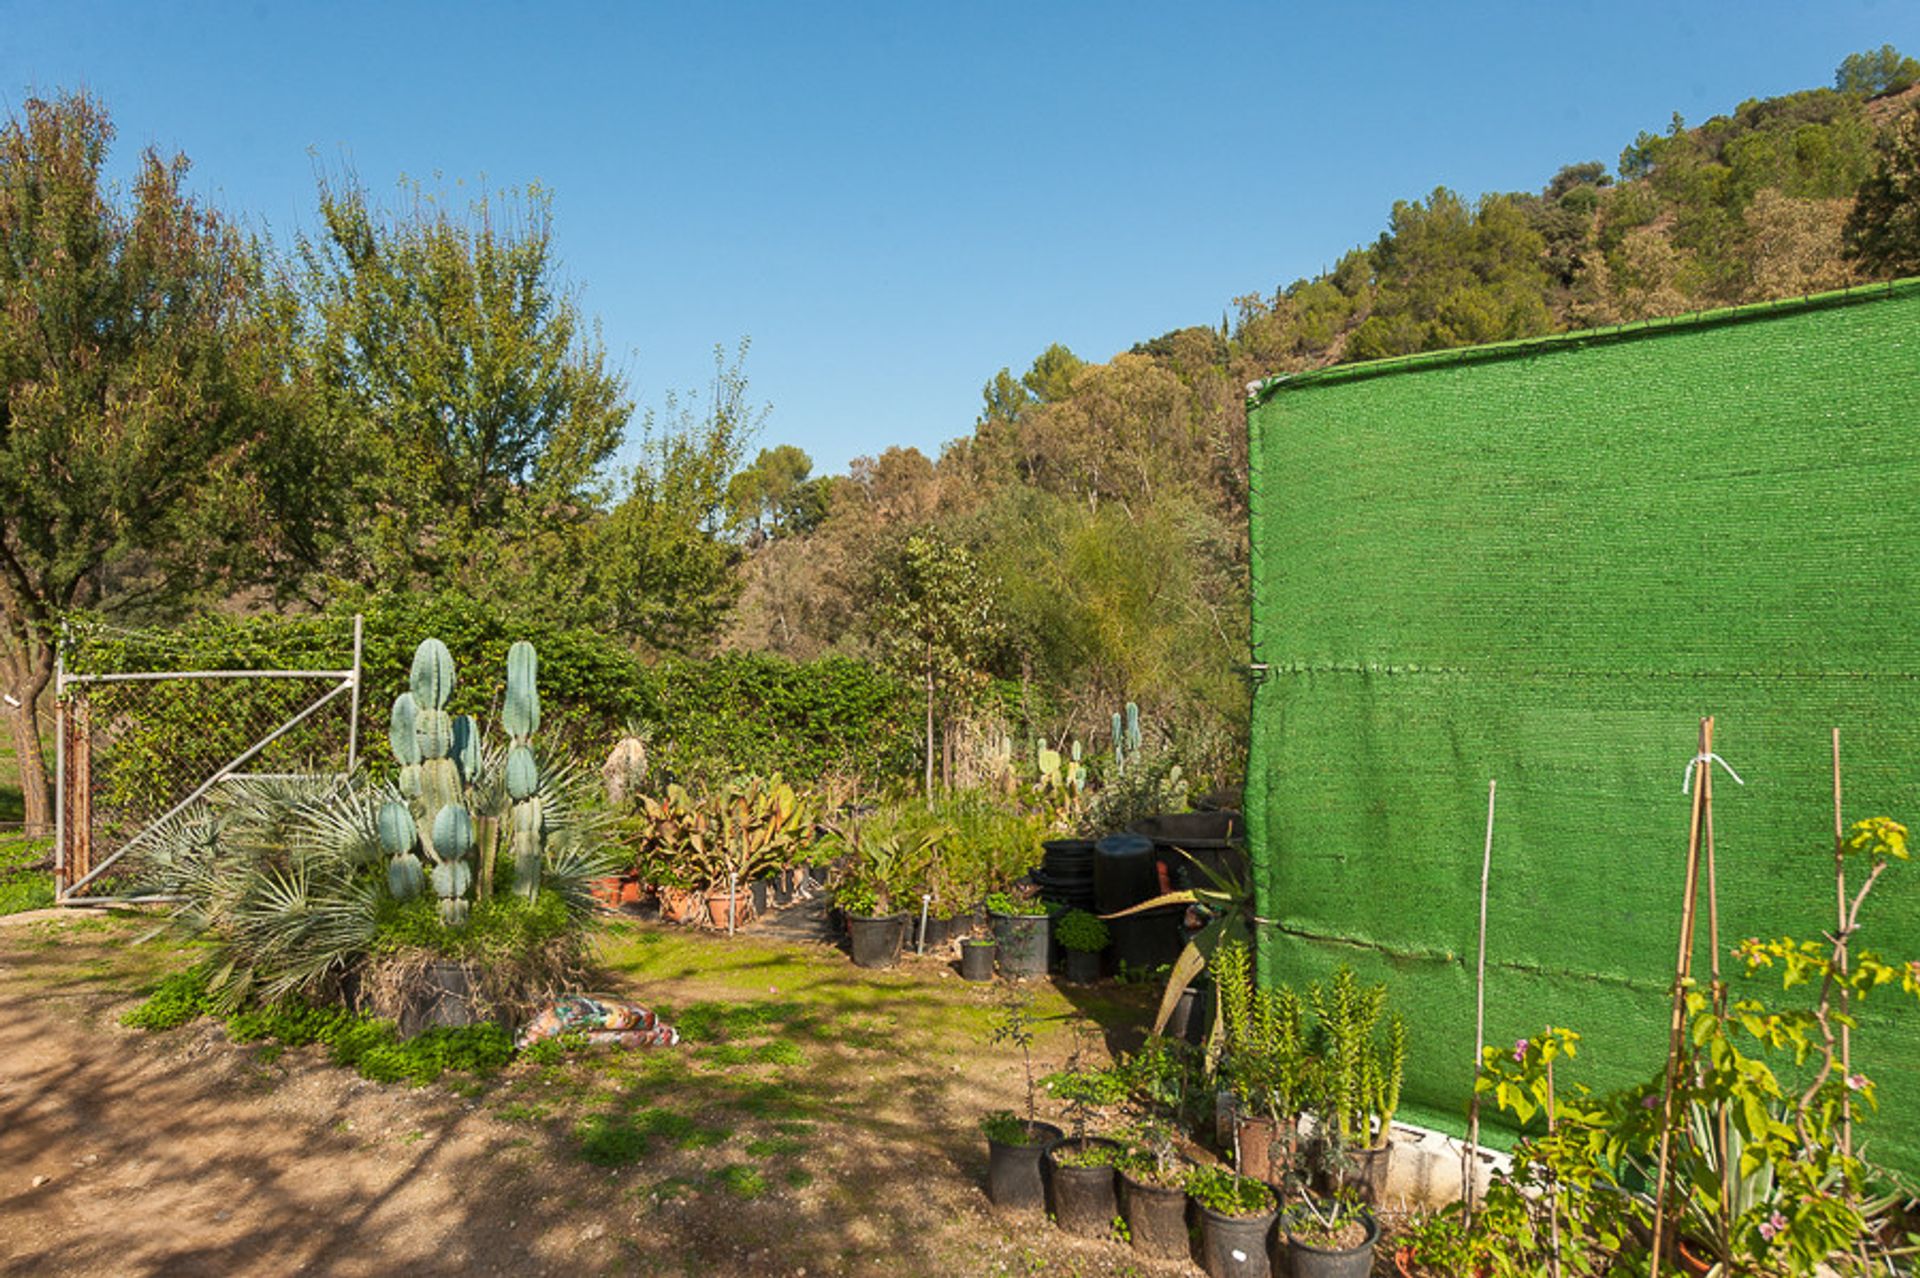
(439, 755)
(521, 716)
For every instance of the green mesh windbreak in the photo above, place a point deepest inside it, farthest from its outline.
(1543, 563)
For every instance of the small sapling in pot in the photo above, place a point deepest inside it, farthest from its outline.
(1236, 1219)
(1014, 1144)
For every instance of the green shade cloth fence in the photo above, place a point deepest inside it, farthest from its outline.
(1543, 562)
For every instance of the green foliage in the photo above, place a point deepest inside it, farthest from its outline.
(1079, 930)
(1101, 1088)
(1220, 1190)
(1090, 1154)
(461, 374)
(1003, 1127)
(730, 835)
(935, 627)
(1882, 233)
(1361, 1069)
(496, 930)
(357, 1042)
(24, 886)
(663, 571)
(179, 999)
(1264, 1048)
(1882, 70)
(153, 446)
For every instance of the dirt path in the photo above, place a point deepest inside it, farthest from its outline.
(184, 1154)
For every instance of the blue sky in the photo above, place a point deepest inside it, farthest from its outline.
(895, 200)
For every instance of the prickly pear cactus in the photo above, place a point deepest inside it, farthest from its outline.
(521, 717)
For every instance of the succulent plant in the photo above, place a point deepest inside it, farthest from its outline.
(440, 760)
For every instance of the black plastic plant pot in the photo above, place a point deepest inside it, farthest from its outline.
(877, 941)
(1156, 1217)
(1311, 1261)
(1083, 966)
(1236, 1246)
(976, 960)
(1023, 943)
(943, 930)
(1084, 1201)
(1013, 1171)
(762, 893)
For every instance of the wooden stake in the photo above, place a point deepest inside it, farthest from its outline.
(1722, 1140)
(1469, 1155)
(1840, 898)
(1553, 1187)
(1682, 977)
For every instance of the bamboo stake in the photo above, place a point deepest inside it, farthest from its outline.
(1553, 1186)
(1723, 1142)
(1469, 1156)
(1840, 897)
(1682, 977)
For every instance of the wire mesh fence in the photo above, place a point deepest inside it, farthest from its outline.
(143, 750)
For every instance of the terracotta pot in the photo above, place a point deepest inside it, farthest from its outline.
(677, 905)
(1691, 1262)
(723, 905)
(631, 893)
(1266, 1147)
(607, 891)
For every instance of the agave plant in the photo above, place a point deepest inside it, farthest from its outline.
(1226, 906)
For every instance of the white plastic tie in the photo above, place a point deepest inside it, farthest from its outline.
(1709, 758)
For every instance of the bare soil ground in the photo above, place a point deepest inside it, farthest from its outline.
(822, 1121)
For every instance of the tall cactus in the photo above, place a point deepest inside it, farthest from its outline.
(521, 716)
(440, 760)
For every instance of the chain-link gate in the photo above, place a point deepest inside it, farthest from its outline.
(137, 749)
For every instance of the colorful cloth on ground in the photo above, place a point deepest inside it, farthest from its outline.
(599, 1021)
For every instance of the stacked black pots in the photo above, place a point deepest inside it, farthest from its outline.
(1124, 875)
(1066, 873)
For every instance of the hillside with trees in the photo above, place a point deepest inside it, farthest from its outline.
(409, 401)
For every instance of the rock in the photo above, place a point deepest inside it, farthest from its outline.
(40, 1180)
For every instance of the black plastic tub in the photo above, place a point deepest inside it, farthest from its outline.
(1156, 1217)
(976, 960)
(1236, 1246)
(1013, 1171)
(1022, 940)
(1309, 1261)
(877, 941)
(1084, 1201)
(1083, 966)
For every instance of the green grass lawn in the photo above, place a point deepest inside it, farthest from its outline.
(12, 807)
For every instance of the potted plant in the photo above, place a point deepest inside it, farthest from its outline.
(1264, 1063)
(882, 858)
(976, 957)
(1360, 1072)
(1153, 1194)
(1020, 925)
(1080, 1169)
(1236, 1217)
(1083, 936)
(1015, 1145)
(1330, 1238)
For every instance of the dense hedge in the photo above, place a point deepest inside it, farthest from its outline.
(735, 712)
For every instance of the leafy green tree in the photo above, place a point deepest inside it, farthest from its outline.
(480, 406)
(1882, 234)
(1876, 71)
(935, 626)
(776, 495)
(663, 565)
(154, 432)
(1052, 374)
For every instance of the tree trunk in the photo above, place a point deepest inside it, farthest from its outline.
(27, 687)
(929, 732)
